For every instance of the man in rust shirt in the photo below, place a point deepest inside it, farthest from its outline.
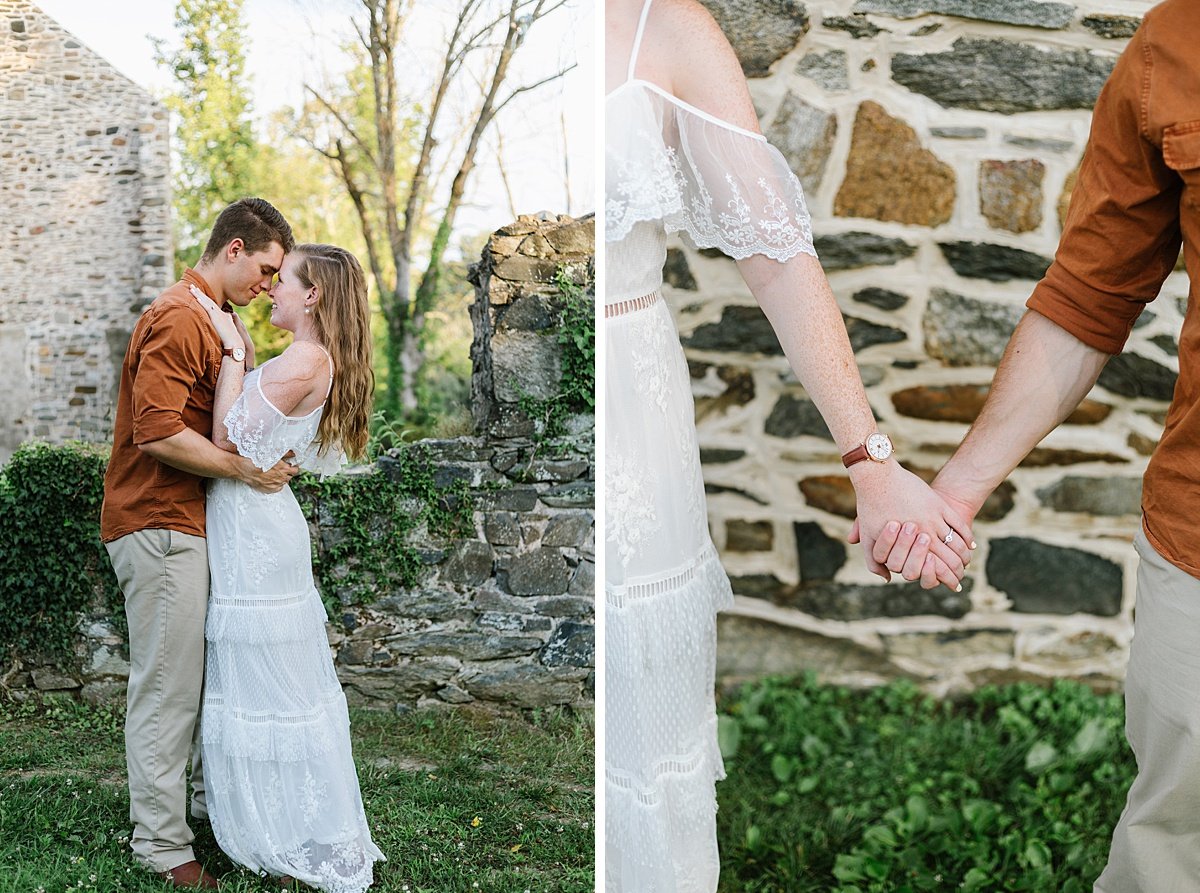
(1137, 198)
(152, 522)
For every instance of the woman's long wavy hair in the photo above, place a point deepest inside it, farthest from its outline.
(342, 318)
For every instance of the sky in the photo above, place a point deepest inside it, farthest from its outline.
(294, 41)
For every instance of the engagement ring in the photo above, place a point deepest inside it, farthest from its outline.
(949, 538)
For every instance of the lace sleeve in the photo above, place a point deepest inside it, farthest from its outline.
(726, 187)
(260, 432)
(312, 460)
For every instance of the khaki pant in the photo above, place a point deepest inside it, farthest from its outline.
(1156, 845)
(164, 576)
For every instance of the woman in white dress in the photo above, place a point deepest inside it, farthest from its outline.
(683, 152)
(283, 794)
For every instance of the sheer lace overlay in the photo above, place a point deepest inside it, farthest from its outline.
(726, 187)
(283, 795)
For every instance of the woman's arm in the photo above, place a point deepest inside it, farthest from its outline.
(797, 300)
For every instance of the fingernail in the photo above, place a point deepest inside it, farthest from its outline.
(958, 588)
(910, 527)
(973, 544)
(892, 527)
(923, 539)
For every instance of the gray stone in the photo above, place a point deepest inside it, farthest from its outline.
(1131, 375)
(676, 271)
(849, 251)
(425, 604)
(1095, 496)
(856, 601)
(719, 456)
(515, 623)
(1114, 27)
(864, 334)
(584, 582)
(742, 329)
(1004, 76)
(526, 685)
(490, 599)
(881, 298)
(805, 135)
(795, 416)
(828, 69)
(996, 263)
(502, 529)
(455, 450)
(576, 494)
(820, 555)
(761, 31)
(540, 572)
(509, 422)
(508, 499)
(749, 536)
(549, 470)
(463, 644)
(1166, 343)
(1010, 12)
(355, 652)
(568, 529)
(470, 564)
(564, 606)
(51, 679)
(857, 26)
(452, 694)
(532, 313)
(951, 648)
(749, 648)
(1043, 579)
(767, 587)
(525, 364)
(958, 133)
(1041, 144)
(407, 680)
(962, 331)
(107, 661)
(99, 693)
(572, 645)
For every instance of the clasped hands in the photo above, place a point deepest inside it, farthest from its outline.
(934, 541)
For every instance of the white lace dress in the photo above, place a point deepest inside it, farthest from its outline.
(282, 791)
(669, 167)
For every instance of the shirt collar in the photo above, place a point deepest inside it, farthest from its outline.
(191, 277)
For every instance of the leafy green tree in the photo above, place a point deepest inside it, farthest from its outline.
(214, 138)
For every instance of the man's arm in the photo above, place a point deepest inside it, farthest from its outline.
(1046, 371)
(194, 453)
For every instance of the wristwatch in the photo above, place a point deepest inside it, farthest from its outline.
(238, 354)
(877, 448)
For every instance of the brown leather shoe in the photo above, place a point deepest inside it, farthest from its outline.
(189, 875)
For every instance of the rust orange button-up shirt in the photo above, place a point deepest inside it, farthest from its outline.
(168, 381)
(1137, 197)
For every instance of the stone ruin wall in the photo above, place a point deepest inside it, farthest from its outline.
(937, 141)
(85, 232)
(504, 615)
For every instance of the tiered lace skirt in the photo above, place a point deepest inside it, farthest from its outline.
(664, 586)
(282, 791)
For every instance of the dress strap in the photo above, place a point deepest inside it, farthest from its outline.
(328, 356)
(637, 40)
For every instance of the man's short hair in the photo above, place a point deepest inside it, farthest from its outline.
(253, 220)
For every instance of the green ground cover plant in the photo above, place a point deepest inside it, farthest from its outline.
(458, 801)
(1013, 788)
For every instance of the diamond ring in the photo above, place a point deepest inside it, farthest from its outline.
(949, 538)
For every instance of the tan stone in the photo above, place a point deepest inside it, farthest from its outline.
(890, 176)
(749, 536)
(831, 492)
(1010, 194)
(1144, 445)
(1064, 198)
(963, 402)
(750, 648)
(1041, 457)
(947, 649)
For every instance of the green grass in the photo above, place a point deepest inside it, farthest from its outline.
(458, 801)
(889, 791)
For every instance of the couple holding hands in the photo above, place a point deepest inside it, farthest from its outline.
(684, 153)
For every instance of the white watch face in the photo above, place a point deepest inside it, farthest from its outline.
(879, 447)
(239, 354)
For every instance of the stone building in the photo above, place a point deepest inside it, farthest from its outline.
(85, 237)
(937, 141)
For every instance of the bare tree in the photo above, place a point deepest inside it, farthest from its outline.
(388, 175)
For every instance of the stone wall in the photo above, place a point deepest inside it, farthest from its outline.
(937, 141)
(85, 239)
(503, 614)
(515, 354)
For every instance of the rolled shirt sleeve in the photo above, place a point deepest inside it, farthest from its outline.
(1121, 237)
(171, 362)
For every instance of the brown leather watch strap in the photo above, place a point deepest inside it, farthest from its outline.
(856, 455)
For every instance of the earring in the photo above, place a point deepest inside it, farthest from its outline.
(308, 310)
